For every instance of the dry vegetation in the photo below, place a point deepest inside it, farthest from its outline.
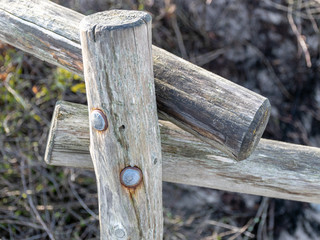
(269, 46)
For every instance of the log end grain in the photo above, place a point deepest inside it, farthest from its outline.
(255, 130)
(67, 129)
(51, 136)
(114, 20)
(229, 117)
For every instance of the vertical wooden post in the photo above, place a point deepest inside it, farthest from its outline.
(124, 133)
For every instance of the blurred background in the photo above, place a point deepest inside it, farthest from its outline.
(269, 46)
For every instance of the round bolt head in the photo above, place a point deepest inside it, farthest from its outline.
(131, 177)
(98, 120)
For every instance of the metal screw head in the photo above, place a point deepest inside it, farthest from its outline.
(98, 120)
(131, 177)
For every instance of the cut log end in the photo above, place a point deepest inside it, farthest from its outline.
(255, 130)
(51, 137)
(114, 20)
(64, 130)
(230, 118)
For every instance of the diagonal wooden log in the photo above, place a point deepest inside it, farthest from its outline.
(275, 169)
(219, 112)
(124, 133)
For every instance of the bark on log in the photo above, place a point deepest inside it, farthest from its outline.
(275, 169)
(213, 109)
(117, 60)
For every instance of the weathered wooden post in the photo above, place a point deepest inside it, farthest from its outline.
(124, 133)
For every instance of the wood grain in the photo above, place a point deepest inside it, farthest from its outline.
(275, 169)
(117, 59)
(219, 112)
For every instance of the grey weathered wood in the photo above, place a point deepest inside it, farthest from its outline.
(117, 59)
(275, 169)
(214, 109)
(44, 29)
(208, 106)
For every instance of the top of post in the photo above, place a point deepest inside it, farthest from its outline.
(114, 20)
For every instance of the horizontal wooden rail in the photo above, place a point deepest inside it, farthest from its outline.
(275, 169)
(219, 112)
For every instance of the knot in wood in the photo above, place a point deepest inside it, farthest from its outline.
(119, 232)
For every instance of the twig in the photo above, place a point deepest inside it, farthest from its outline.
(208, 57)
(223, 225)
(14, 93)
(271, 220)
(227, 226)
(312, 20)
(82, 203)
(255, 220)
(24, 223)
(300, 38)
(232, 230)
(205, 219)
(53, 181)
(262, 222)
(39, 236)
(177, 31)
(246, 233)
(30, 201)
(242, 230)
(89, 228)
(285, 9)
(280, 85)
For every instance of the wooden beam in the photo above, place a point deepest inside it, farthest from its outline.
(275, 169)
(125, 142)
(219, 112)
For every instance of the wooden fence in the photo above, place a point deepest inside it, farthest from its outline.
(51, 32)
(219, 123)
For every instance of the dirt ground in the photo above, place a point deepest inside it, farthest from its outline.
(269, 46)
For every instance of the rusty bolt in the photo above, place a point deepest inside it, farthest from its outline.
(99, 120)
(131, 177)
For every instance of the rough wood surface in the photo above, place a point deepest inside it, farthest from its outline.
(117, 59)
(275, 169)
(230, 118)
(214, 109)
(44, 29)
